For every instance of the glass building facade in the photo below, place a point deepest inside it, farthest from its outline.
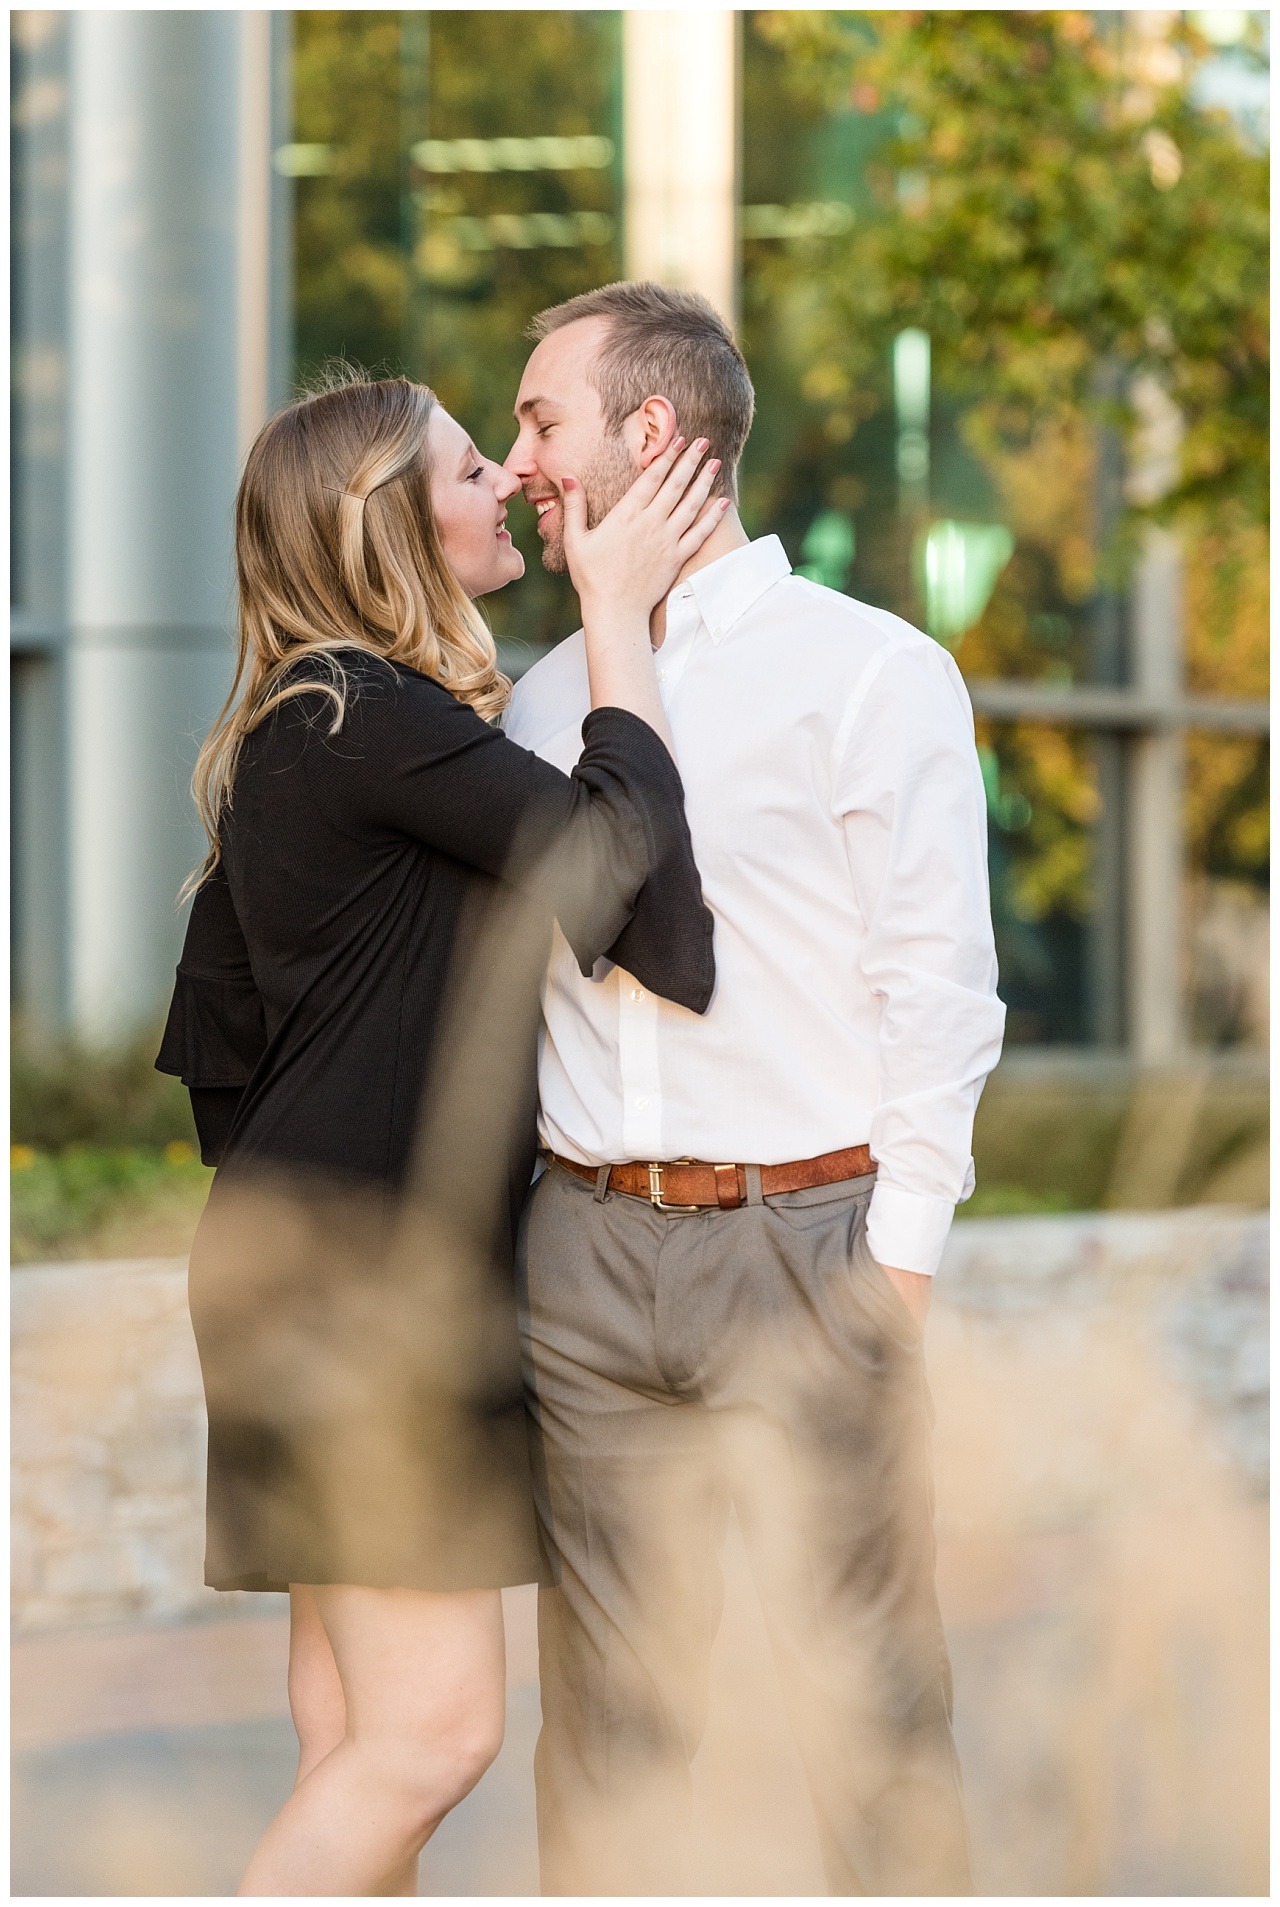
(472, 165)
(438, 177)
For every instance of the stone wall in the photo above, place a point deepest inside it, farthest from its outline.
(108, 1416)
(108, 1445)
(1188, 1288)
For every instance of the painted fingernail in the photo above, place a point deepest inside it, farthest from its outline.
(702, 443)
(714, 464)
(677, 443)
(725, 502)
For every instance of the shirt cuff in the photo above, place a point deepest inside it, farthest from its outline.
(907, 1230)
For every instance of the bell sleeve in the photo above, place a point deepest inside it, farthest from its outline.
(216, 1032)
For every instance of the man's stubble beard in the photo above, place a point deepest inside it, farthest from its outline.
(605, 481)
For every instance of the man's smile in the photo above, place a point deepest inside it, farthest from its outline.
(542, 507)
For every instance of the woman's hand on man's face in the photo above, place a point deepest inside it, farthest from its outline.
(634, 555)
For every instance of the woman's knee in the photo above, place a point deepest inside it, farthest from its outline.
(432, 1773)
(464, 1745)
(424, 1686)
(319, 1732)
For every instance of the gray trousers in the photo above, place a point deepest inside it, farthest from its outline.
(675, 1365)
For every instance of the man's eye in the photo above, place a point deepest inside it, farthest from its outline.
(544, 428)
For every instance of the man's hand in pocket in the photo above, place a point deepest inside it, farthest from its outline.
(913, 1288)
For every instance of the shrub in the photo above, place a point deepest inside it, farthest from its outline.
(93, 1202)
(67, 1093)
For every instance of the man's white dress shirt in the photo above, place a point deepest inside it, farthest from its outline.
(839, 823)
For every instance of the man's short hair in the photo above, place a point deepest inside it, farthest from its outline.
(672, 344)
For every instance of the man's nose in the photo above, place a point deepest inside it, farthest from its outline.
(519, 459)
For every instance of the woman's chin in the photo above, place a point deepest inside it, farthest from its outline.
(510, 570)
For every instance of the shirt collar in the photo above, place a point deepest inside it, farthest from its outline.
(727, 588)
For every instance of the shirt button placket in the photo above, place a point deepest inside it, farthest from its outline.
(638, 1063)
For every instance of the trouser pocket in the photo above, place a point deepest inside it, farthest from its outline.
(877, 1289)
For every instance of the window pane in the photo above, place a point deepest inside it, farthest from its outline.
(455, 173)
(988, 538)
(345, 163)
(1043, 804)
(516, 202)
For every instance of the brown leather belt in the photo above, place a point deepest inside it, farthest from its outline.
(690, 1185)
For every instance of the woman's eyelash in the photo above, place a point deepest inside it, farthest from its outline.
(477, 472)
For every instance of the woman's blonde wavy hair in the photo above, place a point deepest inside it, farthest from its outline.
(336, 548)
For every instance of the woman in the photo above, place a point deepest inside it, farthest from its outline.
(355, 1016)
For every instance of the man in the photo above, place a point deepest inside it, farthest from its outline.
(746, 1328)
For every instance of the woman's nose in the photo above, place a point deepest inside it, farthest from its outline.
(505, 482)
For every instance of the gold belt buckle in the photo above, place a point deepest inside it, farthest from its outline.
(655, 1171)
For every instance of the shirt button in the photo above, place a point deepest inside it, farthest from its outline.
(641, 1103)
(662, 675)
(637, 993)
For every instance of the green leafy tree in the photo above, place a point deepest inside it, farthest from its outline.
(1051, 200)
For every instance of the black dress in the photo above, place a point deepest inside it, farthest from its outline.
(356, 1016)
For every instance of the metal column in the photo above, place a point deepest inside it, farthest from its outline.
(144, 347)
(1154, 811)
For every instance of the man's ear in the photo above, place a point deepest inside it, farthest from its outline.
(650, 429)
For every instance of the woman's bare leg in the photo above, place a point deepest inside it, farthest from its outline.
(317, 1704)
(316, 1701)
(422, 1679)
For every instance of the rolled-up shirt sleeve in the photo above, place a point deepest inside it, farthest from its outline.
(910, 794)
